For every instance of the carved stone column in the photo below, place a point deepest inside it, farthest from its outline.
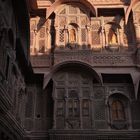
(118, 37)
(88, 35)
(48, 40)
(121, 37)
(92, 111)
(103, 37)
(65, 36)
(81, 118)
(54, 113)
(106, 37)
(137, 31)
(56, 36)
(66, 113)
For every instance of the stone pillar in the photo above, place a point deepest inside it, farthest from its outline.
(56, 36)
(78, 35)
(48, 40)
(49, 35)
(92, 111)
(103, 37)
(106, 37)
(118, 37)
(65, 36)
(90, 37)
(66, 113)
(103, 32)
(121, 37)
(88, 34)
(137, 31)
(81, 118)
(54, 113)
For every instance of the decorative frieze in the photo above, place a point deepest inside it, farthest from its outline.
(113, 60)
(95, 59)
(40, 61)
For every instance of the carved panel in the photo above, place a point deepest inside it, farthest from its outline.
(73, 124)
(60, 76)
(60, 123)
(63, 11)
(72, 19)
(99, 113)
(60, 93)
(73, 10)
(60, 108)
(99, 93)
(61, 57)
(61, 35)
(28, 124)
(40, 61)
(42, 32)
(62, 21)
(33, 25)
(73, 92)
(83, 35)
(101, 125)
(96, 59)
(95, 38)
(87, 123)
(83, 21)
(113, 59)
(86, 92)
(31, 38)
(85, 107)
(68, 98)
(29, 105)
(41, 46)
(95, 25)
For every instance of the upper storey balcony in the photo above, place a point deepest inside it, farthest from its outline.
(73, 33)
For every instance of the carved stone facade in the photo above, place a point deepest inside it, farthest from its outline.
(81, 80)
(88, 52)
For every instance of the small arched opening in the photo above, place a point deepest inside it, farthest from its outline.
(119, 111)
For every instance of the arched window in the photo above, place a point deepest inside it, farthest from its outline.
(117, 110)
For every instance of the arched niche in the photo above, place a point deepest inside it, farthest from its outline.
(119, 111)
(77, 17)
(72, 94)
(112, 36)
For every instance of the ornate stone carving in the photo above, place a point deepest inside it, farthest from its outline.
(72, 19)
(113, 59)
(62, 21)
(94, 59)
(83, 21)
(72, 123)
